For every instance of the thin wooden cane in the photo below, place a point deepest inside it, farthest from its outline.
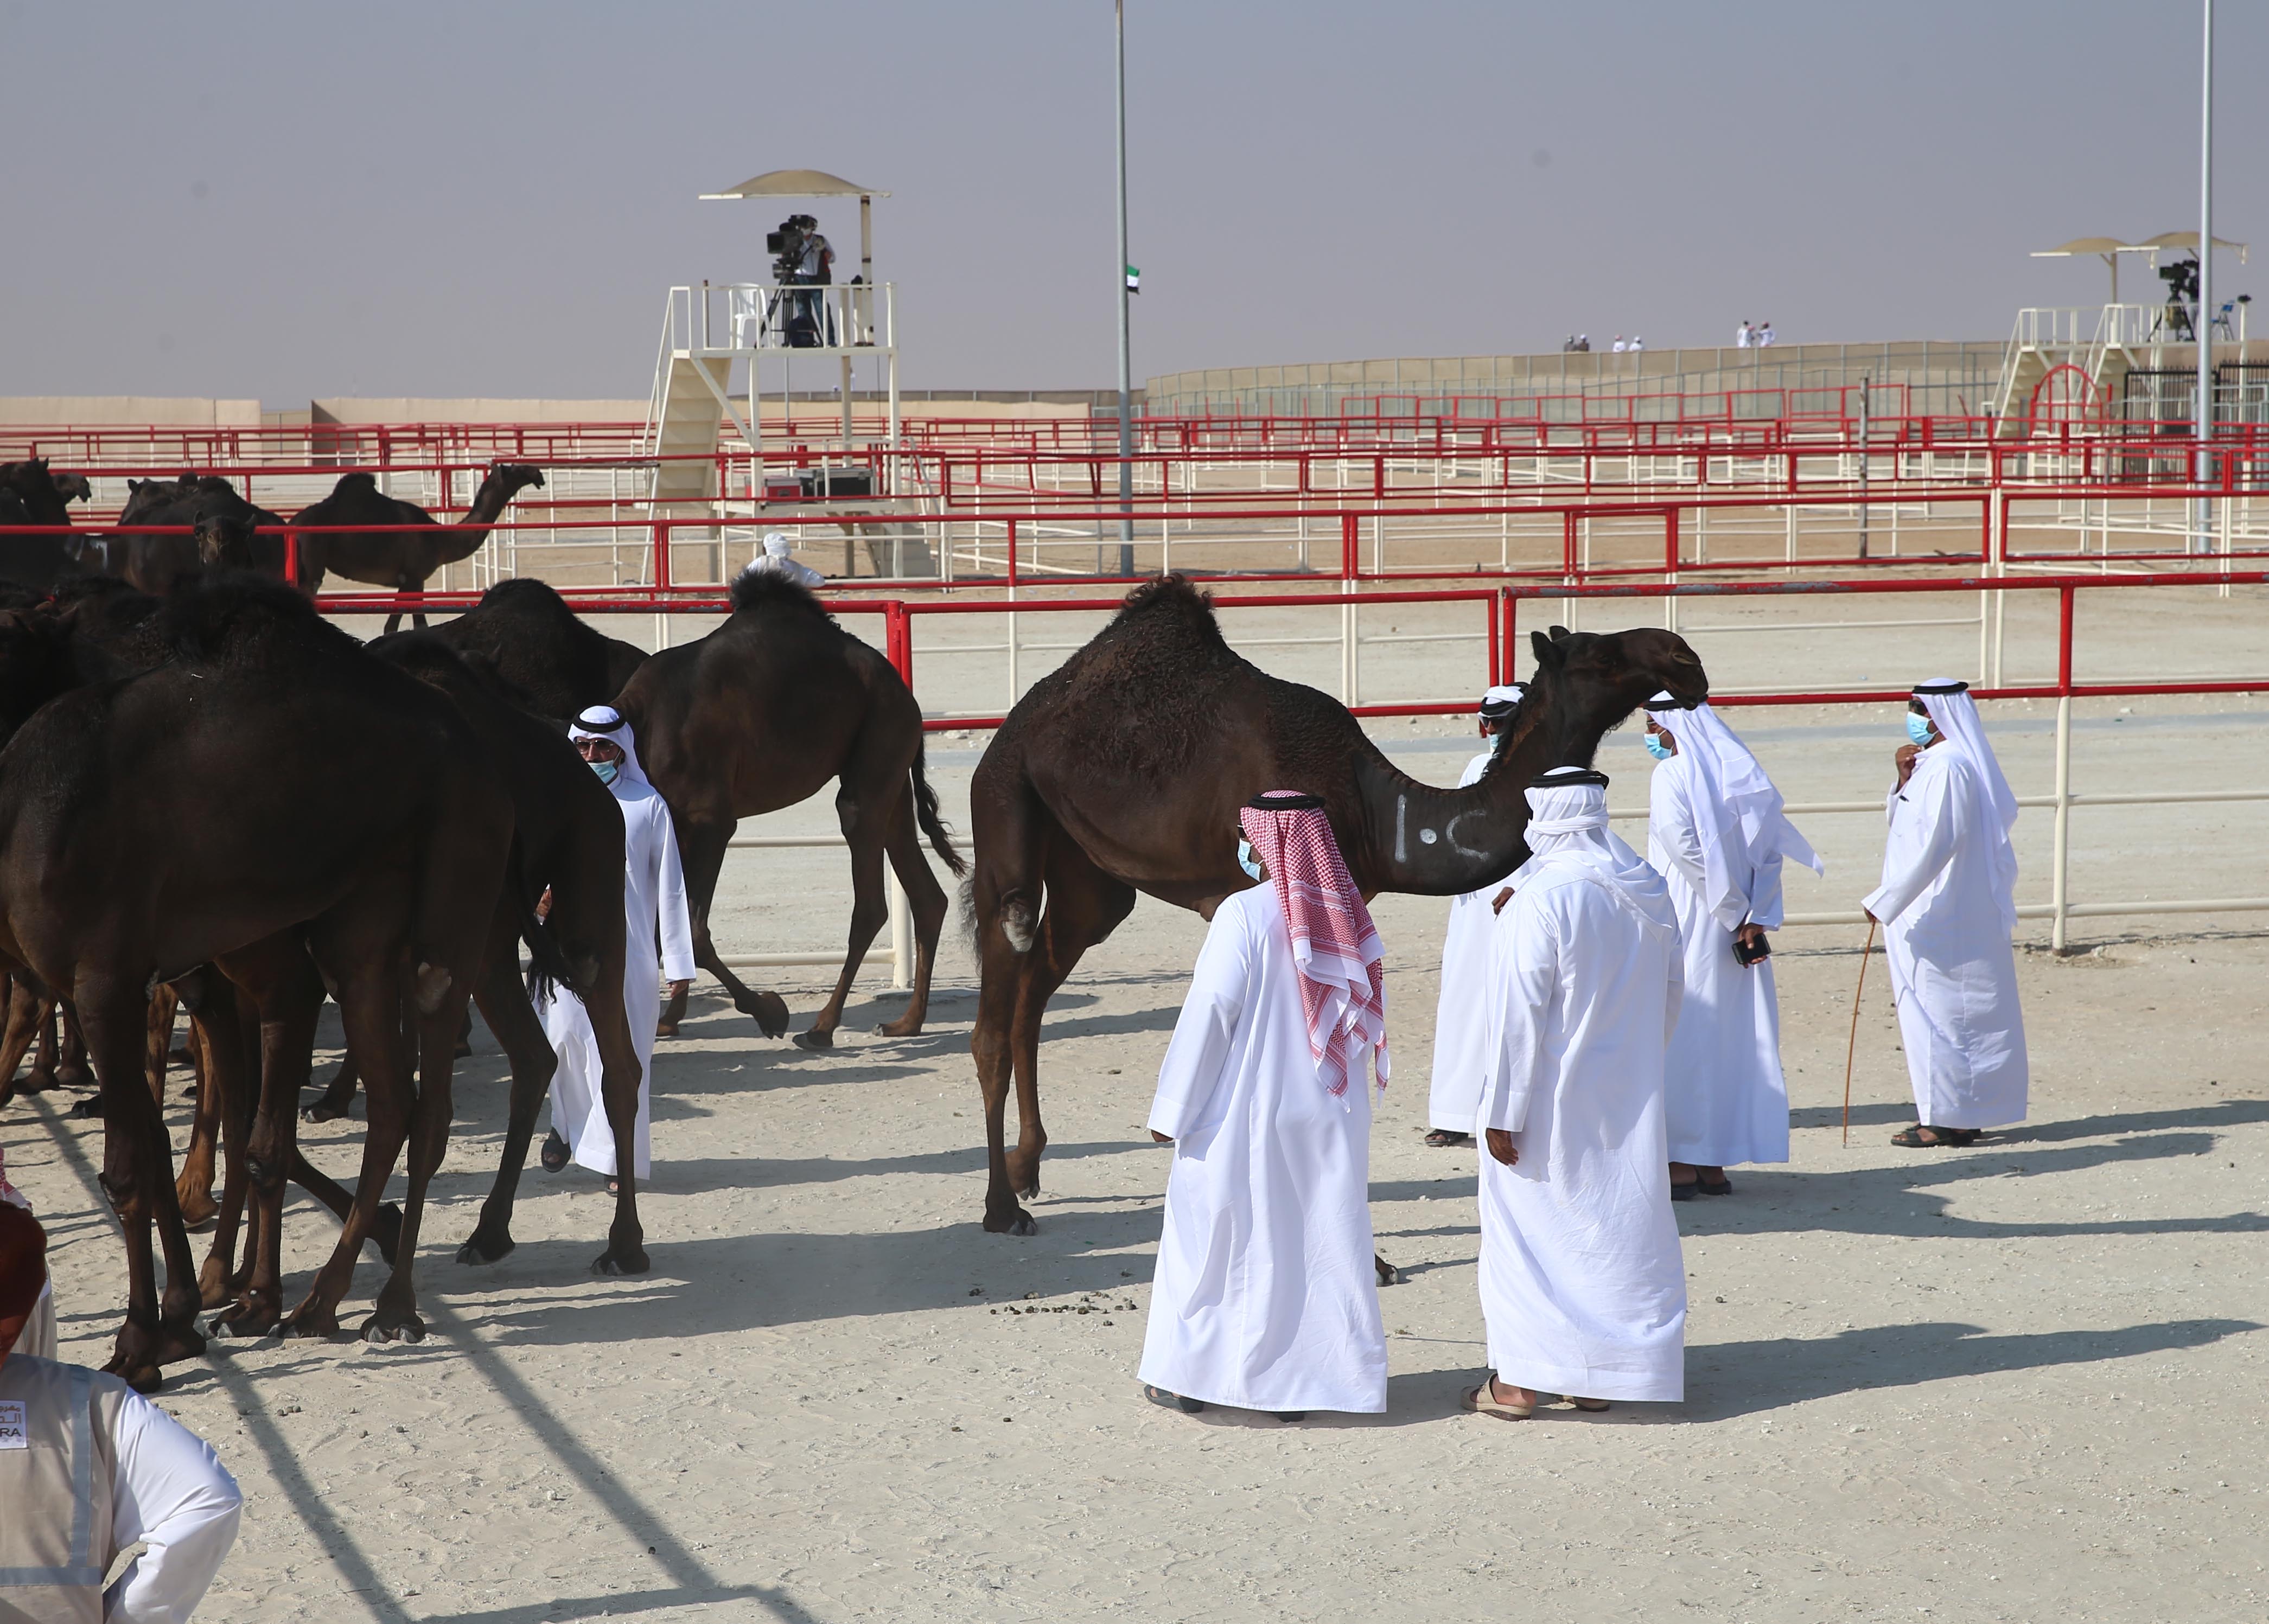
(1852, 1051)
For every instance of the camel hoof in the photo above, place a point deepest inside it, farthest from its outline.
(249, 1320)
(770, 1010)
(899, 1029)
(36, 1082)
(198, 1210)
(73, 1077)
(311, 1322)
(324, 1110)
(88, 1110)
(1388, 1274)
(1020, 1223)
(478, 1250)
(177, 1342)
(666, 1029)
(384, 1327)
(613, 1262)
(142, 1377)
(815, 1039)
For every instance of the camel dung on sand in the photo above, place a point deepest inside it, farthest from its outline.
(301, 806)
(759, 715)
(345, 535)
(544, 657)
(1121, 772)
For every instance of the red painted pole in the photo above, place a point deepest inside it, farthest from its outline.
(2067, 599)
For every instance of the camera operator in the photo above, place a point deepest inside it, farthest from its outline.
(802, 258)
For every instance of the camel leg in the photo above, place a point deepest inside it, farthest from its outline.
(926, 898)
(863, 832)
(47, 1012)
(135, 1162)
(1085, 905)
(26, 1023)
(395, 1317)
(339, 1097)
(220, 1023)
(505, 1005)
(279, 981)
(701, 852)
(369, 1006)
(71, 1056)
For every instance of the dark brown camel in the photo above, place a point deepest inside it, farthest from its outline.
(569, 840)
(221, 525)
(546, 659)
(757, 716)
(269, 795)
(32, 494)
(1122, 770)
(345, 538)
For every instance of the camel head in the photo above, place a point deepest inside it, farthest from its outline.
(224, 539)
(1601, 677)
(514, 476)
(73, 487)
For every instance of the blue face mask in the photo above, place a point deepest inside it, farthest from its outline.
(1655, 747)
(1918, 729)
(1245, 860)
(606, 770)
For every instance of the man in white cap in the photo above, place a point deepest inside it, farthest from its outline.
(1716, 833)
(773, 559)
(89, 1468)
(1582, 1284)
(1458, 1021)
(654, 902)
(1265, 1296)
(1947, 906)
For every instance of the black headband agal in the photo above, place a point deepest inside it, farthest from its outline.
(1564, 780)
(1286, 800)
(1943, 688)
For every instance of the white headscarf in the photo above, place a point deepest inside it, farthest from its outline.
(1955, 714)
(1501, 701)
(776, 544)
(1568, 828)
(1737, 809)
(604, 721)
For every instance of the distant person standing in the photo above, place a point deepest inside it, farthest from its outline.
(1461, 1016)
(1583, 342)
(1620, 345)
(1947, 906)
(1741, 336)
(1637, 343)
(1764, 339)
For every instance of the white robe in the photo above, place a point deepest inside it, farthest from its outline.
(654, 892)
(1264, 1296)
(1946, 932)
(1582, 1283)
(1460, 1020)
(1725, 1100)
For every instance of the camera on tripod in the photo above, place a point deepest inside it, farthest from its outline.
(2181, 280)
(785, 246)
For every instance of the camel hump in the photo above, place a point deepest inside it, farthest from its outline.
(360, 481)
(241, 621)
(1170, 601)
(527, 595)
(761, 589)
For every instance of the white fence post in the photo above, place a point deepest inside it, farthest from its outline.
(2061, 861)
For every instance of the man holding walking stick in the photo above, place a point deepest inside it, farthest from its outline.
(1948, 905)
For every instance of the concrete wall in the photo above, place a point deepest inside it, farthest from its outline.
(174, 411)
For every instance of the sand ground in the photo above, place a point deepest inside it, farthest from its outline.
(2012, 1383)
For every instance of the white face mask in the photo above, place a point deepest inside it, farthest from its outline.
(1246, 858)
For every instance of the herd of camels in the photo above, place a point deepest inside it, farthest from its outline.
(212, 800)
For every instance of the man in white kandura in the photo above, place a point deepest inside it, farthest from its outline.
(1583, 1287)
(1265, 1296)
(1716, 833)
(1948, 905)
(90, 1468)
(654, 900)
(772, 560)
(1456, 1094)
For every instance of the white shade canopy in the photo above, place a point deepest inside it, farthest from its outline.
(2152, 246)
(794, 183)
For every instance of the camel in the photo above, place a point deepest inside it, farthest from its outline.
(355, 532)
(221, 525)
(759, 715)
(523, 635)
(32, 494)
(1122, 770)
(299, 808)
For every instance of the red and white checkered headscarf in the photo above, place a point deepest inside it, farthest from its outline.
(1334, 944)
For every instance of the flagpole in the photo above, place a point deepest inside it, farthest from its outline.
(2205, 323)
(1125, 354)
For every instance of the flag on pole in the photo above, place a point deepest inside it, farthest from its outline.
(1134, 279)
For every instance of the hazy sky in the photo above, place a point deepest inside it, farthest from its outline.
(490, 198)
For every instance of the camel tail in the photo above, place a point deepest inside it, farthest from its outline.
(940, 838)
(548, 966)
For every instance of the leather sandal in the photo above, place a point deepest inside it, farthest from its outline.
(1940, 1139)
(1482, 1401)
(554, 1153)
(1443, 1138)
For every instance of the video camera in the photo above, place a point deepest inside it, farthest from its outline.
(785, 246)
